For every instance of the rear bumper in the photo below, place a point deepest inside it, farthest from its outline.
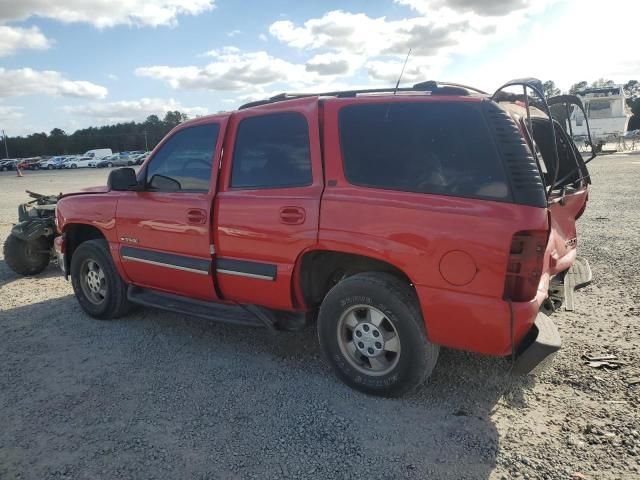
(476, 323)
(538, 347)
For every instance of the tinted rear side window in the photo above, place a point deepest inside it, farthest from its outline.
(435, 147)
(272, 151)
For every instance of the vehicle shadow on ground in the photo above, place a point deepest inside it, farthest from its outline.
(7, 275)
(228, 399)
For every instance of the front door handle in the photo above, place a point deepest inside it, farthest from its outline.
(196, 216)
(292, 215)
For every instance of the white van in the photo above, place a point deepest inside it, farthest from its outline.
(98, 153)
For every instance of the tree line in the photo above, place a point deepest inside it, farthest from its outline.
(119, 138)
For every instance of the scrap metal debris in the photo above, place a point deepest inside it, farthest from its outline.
(606, 361)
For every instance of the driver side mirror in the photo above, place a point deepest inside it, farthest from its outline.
(122, 180)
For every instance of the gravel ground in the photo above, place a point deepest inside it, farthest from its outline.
(160, 395)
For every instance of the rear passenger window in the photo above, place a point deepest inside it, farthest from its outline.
(430, 147)
(272, 151)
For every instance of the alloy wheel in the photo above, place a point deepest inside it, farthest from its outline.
(93, 282)
(368, 340)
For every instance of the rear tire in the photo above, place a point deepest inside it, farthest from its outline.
(50, 167)
(96, 282)
(372, 333)
(27, 258)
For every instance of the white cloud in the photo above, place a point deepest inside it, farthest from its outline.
(234, 33)
(586, 57)
(263, 37)
(480, 7)
(230, 70)
(104, 13)
(128, 110)
(10, 113)
(13, 39)
(357, 33)
(389, 71)
(333, 63)
(26, 81)
(433, 39)
(223, 51)
(112, 76)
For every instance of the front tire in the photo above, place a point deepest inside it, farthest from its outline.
(50, 167)
(96, 282)
(372, 333)
(27, 257)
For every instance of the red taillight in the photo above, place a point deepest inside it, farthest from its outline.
(524, 266)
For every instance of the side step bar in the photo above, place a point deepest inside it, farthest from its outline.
(578, 276)
(248, 316)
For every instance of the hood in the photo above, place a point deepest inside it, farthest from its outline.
(88, 190)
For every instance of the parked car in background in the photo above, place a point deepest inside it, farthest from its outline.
(8, 164)
(98, 153)
(139, 159)
(127, 158)
(106, 162)
(31, 163)
(80, 162)
(116, 160)
(63, 163)
(51, 163)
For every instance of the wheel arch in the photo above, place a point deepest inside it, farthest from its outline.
(75, 234)
(318, 270)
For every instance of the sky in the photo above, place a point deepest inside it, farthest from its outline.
(77, 63)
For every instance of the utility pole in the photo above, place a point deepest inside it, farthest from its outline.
(6, 149)
(146, 145)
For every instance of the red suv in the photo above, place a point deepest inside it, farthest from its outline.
(400, 221)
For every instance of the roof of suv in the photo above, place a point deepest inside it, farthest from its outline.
(423, 90)
(430, 88)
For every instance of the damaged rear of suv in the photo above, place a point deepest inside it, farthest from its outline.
(545, 127)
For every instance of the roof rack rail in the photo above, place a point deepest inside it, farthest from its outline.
(436, 88)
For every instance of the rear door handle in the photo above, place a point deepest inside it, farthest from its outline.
(196, 216)
(292, 215)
